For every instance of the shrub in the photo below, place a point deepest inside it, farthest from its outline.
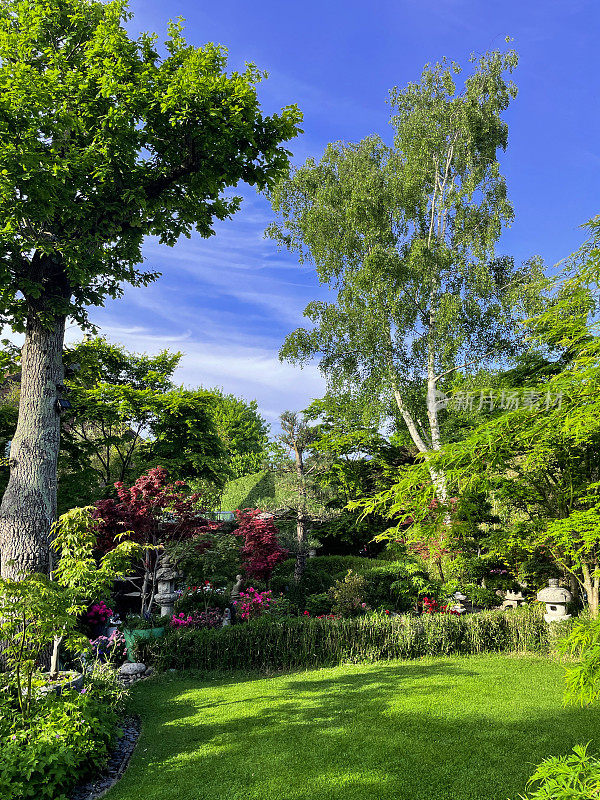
(391, 584)
(65, 738)
(347, 595)
(572, 777)
(253, 603)
(317, 604)
(305, 642)
(261, 551)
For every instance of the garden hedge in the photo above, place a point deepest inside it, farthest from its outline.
(295, 643)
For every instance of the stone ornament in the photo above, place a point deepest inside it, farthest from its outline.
(556, 598)
(132, 669)
(513, 599)
(166, 576)
(237, 587)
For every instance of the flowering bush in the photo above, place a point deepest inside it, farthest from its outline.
(431, 606)
(212, 618)
(109, 649)
(98, 614)
(253, 603)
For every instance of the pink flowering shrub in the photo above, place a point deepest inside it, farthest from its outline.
(253, 603)
(212, 618)
(98, 614)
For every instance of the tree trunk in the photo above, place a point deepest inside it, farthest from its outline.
(591, 586)
(301, 515)
(301, 553)
(28, 507)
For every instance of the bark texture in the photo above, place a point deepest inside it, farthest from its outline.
(28, 507)
(300, 516)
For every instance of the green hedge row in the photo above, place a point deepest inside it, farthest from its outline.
(267, 645)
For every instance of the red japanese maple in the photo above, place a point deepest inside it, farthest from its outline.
(153, 509)
(261, 551)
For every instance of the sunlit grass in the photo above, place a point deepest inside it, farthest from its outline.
(435, 729)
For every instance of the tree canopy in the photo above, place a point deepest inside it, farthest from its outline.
(405, 237)
(104, 139)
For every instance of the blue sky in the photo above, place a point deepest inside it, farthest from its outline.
(229, 301)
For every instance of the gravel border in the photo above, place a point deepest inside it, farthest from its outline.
(99, 785)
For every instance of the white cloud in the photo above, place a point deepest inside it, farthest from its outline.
(240, 367)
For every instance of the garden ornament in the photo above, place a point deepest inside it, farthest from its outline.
(166, 595)
(513, 599)
(556, 599)
(237, 587)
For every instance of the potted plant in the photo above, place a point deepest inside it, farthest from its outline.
(146, 626)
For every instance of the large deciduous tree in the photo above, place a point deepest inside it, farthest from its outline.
(405, 236)
(102, 141)
(243, 431)
(538, 460)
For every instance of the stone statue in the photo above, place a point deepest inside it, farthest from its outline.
(237, 588)
(226, 618)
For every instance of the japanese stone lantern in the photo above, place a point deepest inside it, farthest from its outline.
(556, 599)
(165, 596)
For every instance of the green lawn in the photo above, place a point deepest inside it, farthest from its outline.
(466, 728)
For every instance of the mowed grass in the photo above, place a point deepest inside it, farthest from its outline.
(465, 728)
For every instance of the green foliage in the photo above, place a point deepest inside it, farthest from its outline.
(319, 604)
(249, 491)
(572, 777)
(304, 643)
(388, 584)
(66, 738)
(127, 417)
(405, 236)
(183, 437)
(243, 431)
(40, 610)
(131, 143)
(214, 557)
(582, 679)
(33, 612)
(538, 462)
(348, 595)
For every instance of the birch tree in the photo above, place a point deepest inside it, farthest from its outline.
(103, 140)
(405, 237)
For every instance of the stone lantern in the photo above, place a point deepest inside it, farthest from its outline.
(165, 596)
(556, 599)
(513, 599)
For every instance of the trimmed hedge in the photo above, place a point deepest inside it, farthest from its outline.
(248, 491)
(268, 645)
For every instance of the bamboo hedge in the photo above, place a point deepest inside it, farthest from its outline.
(272, 645)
